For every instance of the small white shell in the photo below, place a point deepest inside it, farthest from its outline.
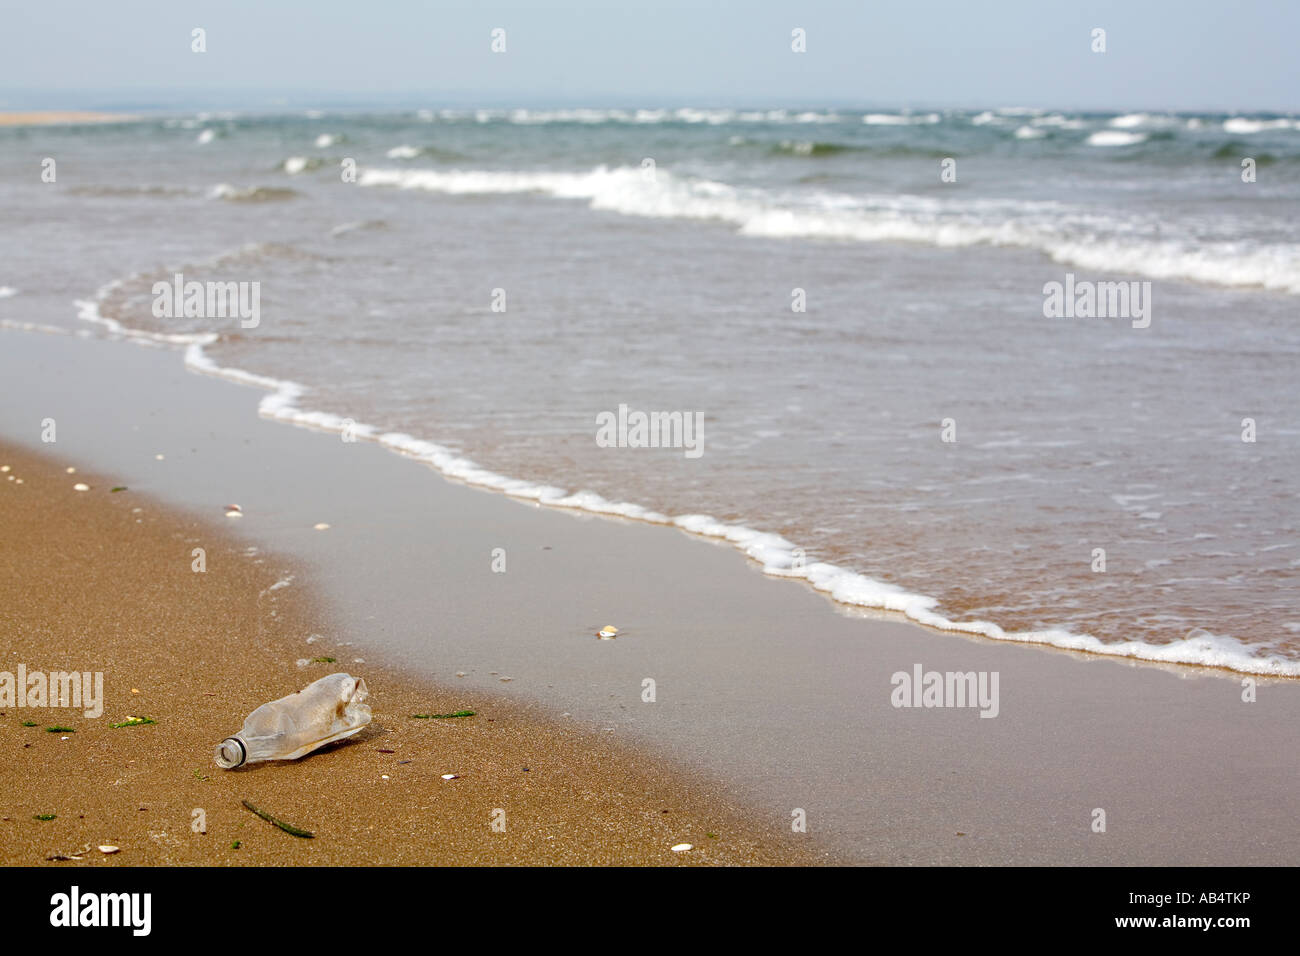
(80, 487)
(108, 848)
(450, 776)
(682, 847)
(322, 526)
(72, 471)
(607, 633)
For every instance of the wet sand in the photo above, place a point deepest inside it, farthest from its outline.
(103, 581)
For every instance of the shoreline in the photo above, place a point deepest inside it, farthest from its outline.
(772, 554)
(117, 566)
(761, 688)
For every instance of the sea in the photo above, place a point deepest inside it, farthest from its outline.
(852, 308)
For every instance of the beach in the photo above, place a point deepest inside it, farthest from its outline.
(773, 698)
(60, 118)
(99, 581)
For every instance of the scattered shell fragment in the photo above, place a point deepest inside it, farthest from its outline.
(158, 457)
(321, 526)
(4, 467)
(383, 776)
(450, 776)
(80, 487)
(107, 849)
(135, 690)
(460, 673)
(18, 481)
(234, 511)
(505, 679)
(607, 633)
(682, 847)
(72, 471)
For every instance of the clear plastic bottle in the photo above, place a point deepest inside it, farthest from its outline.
(328, 709)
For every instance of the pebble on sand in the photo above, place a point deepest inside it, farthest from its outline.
(80, 487)
(72, 471)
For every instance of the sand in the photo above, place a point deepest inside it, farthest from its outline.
(60, 117)
(100, 580)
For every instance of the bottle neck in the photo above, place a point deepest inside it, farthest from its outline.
(231, 753)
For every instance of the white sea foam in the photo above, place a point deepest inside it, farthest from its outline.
(1130, 120)
(88, 311)
(403, 152)
(7, 291)
(1028, 132)
(1240, 125)
(205, 137)
(1110, 137)
(1042, 226)
(901, 119)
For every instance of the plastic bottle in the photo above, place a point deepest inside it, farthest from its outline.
(286, 729)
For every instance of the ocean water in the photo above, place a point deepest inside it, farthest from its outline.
(494, 281)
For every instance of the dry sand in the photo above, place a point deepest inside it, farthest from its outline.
(102, 581)
(60, 117)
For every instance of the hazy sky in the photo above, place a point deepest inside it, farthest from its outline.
(1162, 54)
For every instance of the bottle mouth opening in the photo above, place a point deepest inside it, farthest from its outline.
(231, 753)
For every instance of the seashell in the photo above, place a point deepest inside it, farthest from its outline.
(451, 776)
(682, 847)
(107, 849)
(158, 457)
(4, 467)
(607, 633)
(72, 471)
(80, 487)
(322, 526)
